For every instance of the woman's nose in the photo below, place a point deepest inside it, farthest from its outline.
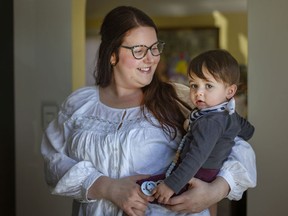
(149, 57)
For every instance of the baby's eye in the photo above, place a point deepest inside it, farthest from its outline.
(193, 86)
(208, 86)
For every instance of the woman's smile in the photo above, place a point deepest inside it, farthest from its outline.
(145, 69)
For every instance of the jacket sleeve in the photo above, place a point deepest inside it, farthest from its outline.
(247, 129)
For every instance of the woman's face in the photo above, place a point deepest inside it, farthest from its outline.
(136, 73)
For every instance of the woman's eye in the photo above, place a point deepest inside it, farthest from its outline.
(138, 50)
(154, 48)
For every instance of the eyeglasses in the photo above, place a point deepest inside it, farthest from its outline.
(140, 51)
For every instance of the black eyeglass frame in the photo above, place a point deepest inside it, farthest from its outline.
(148, 48)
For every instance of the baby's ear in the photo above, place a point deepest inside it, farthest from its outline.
(231, 91)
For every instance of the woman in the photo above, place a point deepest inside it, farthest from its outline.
(109, 136)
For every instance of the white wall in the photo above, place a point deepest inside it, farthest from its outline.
(42, 74)
(268, 102)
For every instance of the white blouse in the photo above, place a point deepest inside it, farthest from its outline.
(90, 139)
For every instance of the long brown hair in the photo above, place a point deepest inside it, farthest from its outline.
(160, 97)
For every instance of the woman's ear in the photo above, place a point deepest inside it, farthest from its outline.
(231, 91)
(113, 60)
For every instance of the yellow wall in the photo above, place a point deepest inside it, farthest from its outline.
(78, 43)
(233, 29)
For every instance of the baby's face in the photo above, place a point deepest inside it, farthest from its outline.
(205, 93)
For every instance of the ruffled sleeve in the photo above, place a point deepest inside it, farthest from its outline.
(64, 175)
(240, 169)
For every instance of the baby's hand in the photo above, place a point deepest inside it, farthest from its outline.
(162, 193)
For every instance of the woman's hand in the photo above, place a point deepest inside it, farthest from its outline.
(200, 196)
(125, 193)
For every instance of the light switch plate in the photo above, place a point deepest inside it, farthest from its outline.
(49, 112)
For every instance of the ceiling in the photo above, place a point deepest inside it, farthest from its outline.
(98, 8)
